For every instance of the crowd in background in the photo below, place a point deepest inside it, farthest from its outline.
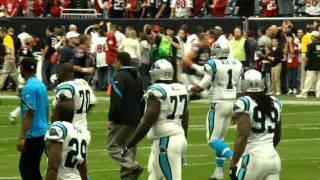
(289, 58)
(163, 8)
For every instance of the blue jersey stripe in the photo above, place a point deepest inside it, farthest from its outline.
(116, 89)
(62, 127)
(159, 88)
(246, 103)
(213, 66)
(163, 158)
(66, 86)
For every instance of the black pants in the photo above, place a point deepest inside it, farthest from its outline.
(30, 159)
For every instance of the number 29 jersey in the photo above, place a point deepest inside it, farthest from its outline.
(75, 141)
(262, 126)
(223, 77)
(174, 101)
(83, 96)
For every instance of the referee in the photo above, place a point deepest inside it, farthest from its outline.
(126, 109)
(34, 109)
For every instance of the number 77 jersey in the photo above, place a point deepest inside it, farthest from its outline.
(83, 96)
(223, 78)
(174, 101)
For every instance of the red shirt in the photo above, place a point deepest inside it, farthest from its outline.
(292, 59)
(10, 5)
(270, 8)
(37, 7)
(110, 48)
(197, 6)
(219, 8)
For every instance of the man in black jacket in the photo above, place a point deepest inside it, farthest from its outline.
(125, 112)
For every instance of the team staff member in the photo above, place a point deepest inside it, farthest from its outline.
(125, 112)
(34, 108)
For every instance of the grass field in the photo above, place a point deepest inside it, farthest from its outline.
(299, 148)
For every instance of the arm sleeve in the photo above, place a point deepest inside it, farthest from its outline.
(156, 91)
(93, 99)
(207, 78)
(242, 105)
(173, 4)
(28, 98)
(116, 97)
(56, 132)
(65, 89)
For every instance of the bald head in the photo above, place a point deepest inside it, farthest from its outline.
(66, 72)
(64, 110)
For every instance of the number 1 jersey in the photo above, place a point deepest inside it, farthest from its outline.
(83, 96)
(75, 141)
(262, 126)
(174, 101)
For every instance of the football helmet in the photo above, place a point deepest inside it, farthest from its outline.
(252, 81)
(219, 51)
(161, 70)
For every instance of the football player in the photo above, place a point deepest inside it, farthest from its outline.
(166, 122)
(258, 119)
(76, 89)
(222, 76)
(66, 144)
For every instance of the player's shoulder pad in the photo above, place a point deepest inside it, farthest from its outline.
(277, 102)
(210, 66)
(242, 104)
(57, 131)
(157, 91)
(65, 87)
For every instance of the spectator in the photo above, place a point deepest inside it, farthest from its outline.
(82, 63)
(79, 4)
(250, 47)
(116, 8)
(23, 35)
(34, 109)
(125, 112)
(118, 34)
(98, 5)
(66, 54)
(239, 46)
(312, 8)
(286, 8)
(298, 41)
(9, 67)
(264, 64)
(306, 40)
(180, 8)
(313, 66)
(245, 7)
(263, 39)
(156, 9)
(111, 52)
(270, 8)
(37, 9)
(291, 54)
(132, 46)
(198, 8)
(132, 9)
(275, 56)
(218, 7)
(181, 37)
(47, 50)
(11, 8)
(8, 40)
(221, 39)
(145, 48)
(99, 50)
(73, 28)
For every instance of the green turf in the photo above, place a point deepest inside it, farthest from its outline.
(298, 150)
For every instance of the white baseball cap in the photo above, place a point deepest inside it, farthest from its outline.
(72, 34)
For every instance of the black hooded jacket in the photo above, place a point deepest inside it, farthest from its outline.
(127, 102)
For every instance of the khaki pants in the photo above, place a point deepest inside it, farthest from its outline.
(116, 139)
(312, 78)
(302, 70)
(275, 78)
(9, 68)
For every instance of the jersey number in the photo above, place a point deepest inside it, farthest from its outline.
(260, 118)
(179, 104)
(71, 161)
(230, 86)
(85, 96)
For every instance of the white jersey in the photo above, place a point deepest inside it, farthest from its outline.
(100, 50)
(174, 101)
(313, 7)
(181, 7)
(262, 126)
(75, 141)
(83, 96)
(224, 78)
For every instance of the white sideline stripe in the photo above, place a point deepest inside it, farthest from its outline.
(11, 177)
(304, 102)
